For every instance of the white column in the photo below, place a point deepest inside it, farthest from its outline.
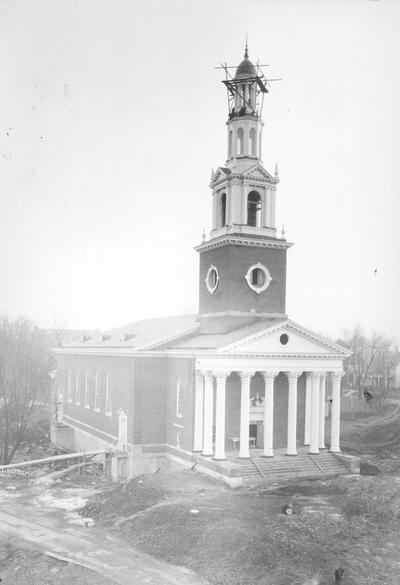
(322, 411)
(198, 413)
(220, 415)
(208, 413)
(314, 431)
(335, 412)
(307, 410)
(292, 413)
(245, 378)
(269, 378)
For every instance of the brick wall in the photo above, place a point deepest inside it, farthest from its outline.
(150, 400)
(180, 370)
(233, 292)
(121, 376)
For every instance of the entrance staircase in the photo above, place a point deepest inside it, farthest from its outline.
(304, 465)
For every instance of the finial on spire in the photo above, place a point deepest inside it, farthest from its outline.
(246, 51)
(276, 170)
(283, 232)
(203, 235)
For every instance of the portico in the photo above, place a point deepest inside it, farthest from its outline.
(269, 401)
(206, 424)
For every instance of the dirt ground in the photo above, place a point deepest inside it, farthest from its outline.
(20, 565)
(241, 537)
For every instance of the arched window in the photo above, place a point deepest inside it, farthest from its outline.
(87, 390)
(254, 209)
(252, 137)
(222, 210)
(108, 395)
(97, 390)
(239, 146)
(230, 144)
(179, 399)
(69, 386)
(78, 388)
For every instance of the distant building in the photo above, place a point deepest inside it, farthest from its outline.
(237, 376)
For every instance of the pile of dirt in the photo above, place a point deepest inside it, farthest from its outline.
(241, 537)
(375, 434)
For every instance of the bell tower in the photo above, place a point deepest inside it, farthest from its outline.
(243, 263)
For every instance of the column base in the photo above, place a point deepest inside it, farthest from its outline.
(219, 458)
(334, 451)
(207, 454)
(307, 444)
(267, 455)
(291, 454)
(323, 448)
(313, 452)
(244, 456)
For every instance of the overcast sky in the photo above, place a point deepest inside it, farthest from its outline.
(113, 115)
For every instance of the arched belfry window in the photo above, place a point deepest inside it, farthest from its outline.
(254, 209)
(240, 140)
(252, 138)
(230, 144)
(222, 210)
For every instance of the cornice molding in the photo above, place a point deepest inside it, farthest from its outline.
(240, 241)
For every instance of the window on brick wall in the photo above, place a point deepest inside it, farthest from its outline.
(97, 390)
(179, 399)
(69, 386)
(87, 390)
(108, 395)
(78, 388)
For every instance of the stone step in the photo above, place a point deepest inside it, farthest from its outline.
(300, 466)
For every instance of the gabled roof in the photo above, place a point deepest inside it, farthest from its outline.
(216, 341)
(141, 335)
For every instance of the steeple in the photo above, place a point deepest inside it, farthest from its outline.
(243, 263)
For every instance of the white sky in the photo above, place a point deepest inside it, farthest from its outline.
(112, 116)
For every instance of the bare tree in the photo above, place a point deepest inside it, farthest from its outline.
(366, 354)
(24, 379)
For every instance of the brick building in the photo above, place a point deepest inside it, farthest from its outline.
(209, 388)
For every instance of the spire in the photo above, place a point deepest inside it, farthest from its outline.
(246, 51)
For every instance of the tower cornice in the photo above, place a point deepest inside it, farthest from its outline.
(237, 240)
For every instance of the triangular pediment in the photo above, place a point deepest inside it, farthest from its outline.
(219, 175)
(258, 173)
(285, 339)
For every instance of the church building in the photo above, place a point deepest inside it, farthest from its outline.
(237, 390)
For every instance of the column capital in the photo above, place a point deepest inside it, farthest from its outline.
(204, 373)
(269, 375)
(244, 376)
(315, 375)
(323, 376)
(293, 375)
(221, 375)
(337, 375)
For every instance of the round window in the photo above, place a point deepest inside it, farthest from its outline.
(284, 338)
(212, 279)
(258, 278)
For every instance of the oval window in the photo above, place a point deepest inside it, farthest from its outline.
(284, 338)
(258, 278)
(212, 279)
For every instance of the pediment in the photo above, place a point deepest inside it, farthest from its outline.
(258, 173)
(285, 339)
(219, 175)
